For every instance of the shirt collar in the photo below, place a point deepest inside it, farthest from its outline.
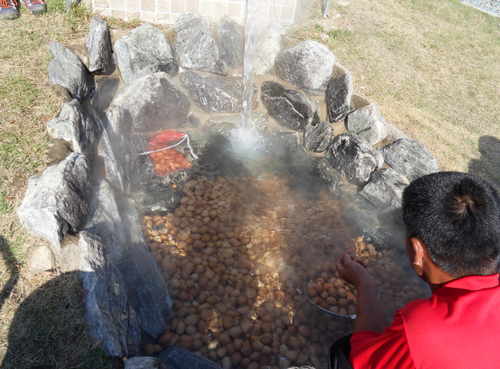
(473, 283)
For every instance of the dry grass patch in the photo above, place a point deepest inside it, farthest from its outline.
(46, 328)
(431, 67)
(121, 24)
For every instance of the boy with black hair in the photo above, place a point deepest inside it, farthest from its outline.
(453, 243)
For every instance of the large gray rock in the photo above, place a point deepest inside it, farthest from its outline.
(99, 45)
(118, 126)
(112, 157)
(268, 47)
(353, 159)
(338, 97)
(108, 314)
(214, 94)
(384, 191)
(333, 178)
(69, 258)
(105, 92)
(146, 287)
(104, 220)
(56, 201)
(113, 164)
(378, 205)
(318, 137)
(146, 51)
(358, 101)
(141, 169)
(308, 66)
(40, 260)
(368, 124)
(292, 109)
(161, 200)
(410, 158)
(230, 42)
(394, 133)
(145, 362)
(196, 46)
(117, 155)
(67, 70)
(153, 103)
(77, 127)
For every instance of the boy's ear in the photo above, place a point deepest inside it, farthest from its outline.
(419, 253)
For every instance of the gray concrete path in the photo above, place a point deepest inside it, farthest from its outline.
(488, 6)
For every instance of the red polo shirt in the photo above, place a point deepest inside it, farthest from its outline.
(457, 328)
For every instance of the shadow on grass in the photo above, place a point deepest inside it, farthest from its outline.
(10, 261)
(488, 165)
(49, 330)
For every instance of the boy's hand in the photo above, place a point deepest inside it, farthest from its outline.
(369, 314)
(352, 271)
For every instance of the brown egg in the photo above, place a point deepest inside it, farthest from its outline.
(165, 339)
(149, 350)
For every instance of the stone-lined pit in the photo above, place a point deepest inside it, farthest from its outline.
(235, 252)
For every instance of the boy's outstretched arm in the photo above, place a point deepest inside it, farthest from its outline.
(369, 314)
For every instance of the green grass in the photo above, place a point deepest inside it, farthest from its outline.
(319, 28)
(340, 34)
(122, 24)
(21, 91)
(78, 14)
(397, 43)
(17, 251)
(22, 151)
(6, 206)
(13, 252)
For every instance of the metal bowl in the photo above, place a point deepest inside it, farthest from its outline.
(307, 280)
(322, 308)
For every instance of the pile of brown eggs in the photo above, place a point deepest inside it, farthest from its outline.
(235, 254)
(331, 292)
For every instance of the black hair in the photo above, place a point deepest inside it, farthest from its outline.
(457, 217)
